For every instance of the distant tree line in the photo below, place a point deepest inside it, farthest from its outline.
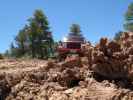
(34, 39)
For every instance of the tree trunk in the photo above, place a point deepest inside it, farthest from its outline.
(33, 49)
(23, 49)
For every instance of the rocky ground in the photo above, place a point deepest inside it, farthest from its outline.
(105, 72)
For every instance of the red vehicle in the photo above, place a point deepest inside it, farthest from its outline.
(71, 45)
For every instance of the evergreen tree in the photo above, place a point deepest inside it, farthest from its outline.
(75, 29)
(34, 39)
(7, 54)
(118, 35)
(129, 18)
(40, 35)
(20, 40)
(13, 51)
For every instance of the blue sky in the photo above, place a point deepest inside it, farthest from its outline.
(98, 18)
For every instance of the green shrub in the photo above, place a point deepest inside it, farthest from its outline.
(1, 56)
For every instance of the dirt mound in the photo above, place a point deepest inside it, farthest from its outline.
(104, 73)
(111, 59)
(59, 83)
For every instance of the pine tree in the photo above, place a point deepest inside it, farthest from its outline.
(129, 18)
(35, 39)
(20, 40)
(75, 29)
(40, 34)
(118, 35)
